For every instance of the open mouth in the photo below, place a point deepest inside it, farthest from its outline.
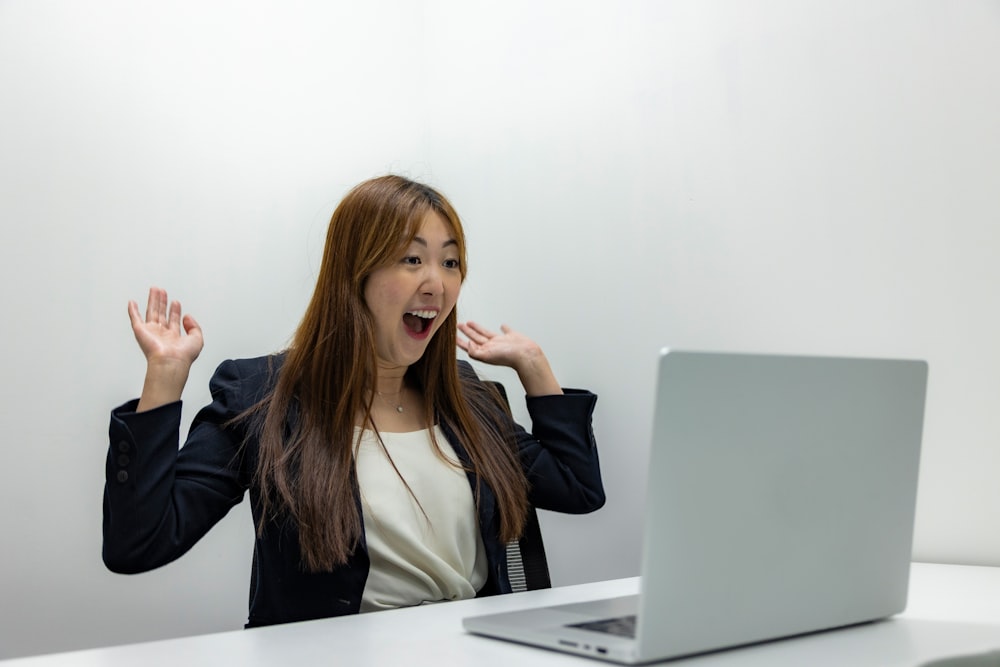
(419, 321)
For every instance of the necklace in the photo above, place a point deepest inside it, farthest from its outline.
(399, 404)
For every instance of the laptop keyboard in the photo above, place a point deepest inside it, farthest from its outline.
(622, 626)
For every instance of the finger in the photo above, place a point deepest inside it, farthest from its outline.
(161, 307)
(476, 326)
(477, 332)
(191, 325)
(194, 334)
(506, 329)
(151, 302)
(133, 313)
(467, 342)
(174, 318)
(469, 332)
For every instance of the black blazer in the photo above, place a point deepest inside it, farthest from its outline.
(159, 501)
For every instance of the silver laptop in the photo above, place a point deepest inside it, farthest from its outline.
(781, 501)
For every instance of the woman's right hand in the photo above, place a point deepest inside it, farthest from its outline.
(169, 352)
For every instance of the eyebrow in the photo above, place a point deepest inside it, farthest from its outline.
(423, 242)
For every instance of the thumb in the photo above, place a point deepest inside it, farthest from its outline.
(193, 329)
(133, 314)
(191, 325)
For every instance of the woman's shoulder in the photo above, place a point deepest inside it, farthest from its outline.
(466, 371)
(249, 367)
(482, 391)
(250, 377)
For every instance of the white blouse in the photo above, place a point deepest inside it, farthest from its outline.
(424, 546)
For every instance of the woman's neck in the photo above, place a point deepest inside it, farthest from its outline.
(390, 386)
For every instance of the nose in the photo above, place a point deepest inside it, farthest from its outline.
(433, 283)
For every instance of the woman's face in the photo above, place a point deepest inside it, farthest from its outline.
(412, 297)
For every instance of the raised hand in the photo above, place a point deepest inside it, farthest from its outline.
(513, 349)
(159, 335)
(169, 352)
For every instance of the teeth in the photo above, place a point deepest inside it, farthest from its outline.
(425, 314)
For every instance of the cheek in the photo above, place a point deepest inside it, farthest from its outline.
(454, 287)
(451, 296)
(381, 295)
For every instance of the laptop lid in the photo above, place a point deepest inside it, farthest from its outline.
(781, 497)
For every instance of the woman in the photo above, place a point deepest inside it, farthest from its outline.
(382, 472)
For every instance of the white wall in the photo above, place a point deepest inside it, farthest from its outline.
(761, 175)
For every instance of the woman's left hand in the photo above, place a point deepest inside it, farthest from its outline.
(513, 349)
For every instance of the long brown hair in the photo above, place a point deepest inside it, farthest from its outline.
(306, 426)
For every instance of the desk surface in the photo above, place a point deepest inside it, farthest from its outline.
(953, 610)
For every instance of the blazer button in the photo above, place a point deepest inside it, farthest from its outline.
(124, 460)
(122, 476)
(123, 446)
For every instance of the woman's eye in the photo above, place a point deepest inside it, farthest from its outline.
(411, 260)
(451, 264)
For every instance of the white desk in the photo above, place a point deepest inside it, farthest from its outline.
(953, 609)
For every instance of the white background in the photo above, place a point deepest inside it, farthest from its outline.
(755, 175)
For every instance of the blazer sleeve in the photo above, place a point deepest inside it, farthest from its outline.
(158, 500)
(559, 455)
